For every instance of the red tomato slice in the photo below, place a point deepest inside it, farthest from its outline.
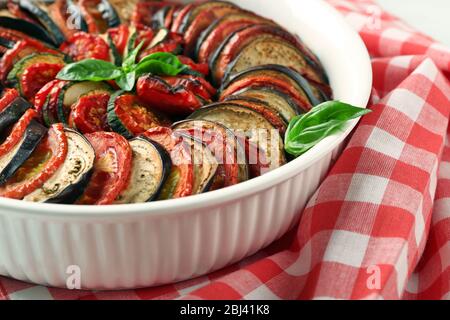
(92, 15)
(41, 96)
(111, 169)
(197, 85)
(202, 68)
(20, 50)
(17, 132)
(41, 166)
(170, 47)
(8, 96)
(88, 114)
(181, 180)
(135, 116)
(37, 76)
(119, 37)
(144, 34)
(159, 94)
(86, 46)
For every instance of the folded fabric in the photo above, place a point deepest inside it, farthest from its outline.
(379, 225)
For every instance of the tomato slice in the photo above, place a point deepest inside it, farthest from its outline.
(37, 76)
(159, 94)
(224, 151)
(93, 17)
(135, 116)
(41, 166)
(181, 179)
(202, 68)
(8, 96)
(86, 46)
(144, 34)
(170, 47)
(197, 85)
(111, 169)
(20, 50)
(88, 114)
(119, 37)
(144, 11)
(17, 132)
(42, 94)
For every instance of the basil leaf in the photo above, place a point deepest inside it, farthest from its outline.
(160, 63)
(89, 69)
(306, 130)
(130, 60)
(126, 81)
(158, 68)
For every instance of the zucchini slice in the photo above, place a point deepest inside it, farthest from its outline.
(12, 161)
(12, 113)
(160, 17)
(70, 180)
(205, 164)
(14, 76)
(129, 117)
(39, 14)
(150, 169)
(70, 94)
(30, 29)
(256, 128)
(275, 98)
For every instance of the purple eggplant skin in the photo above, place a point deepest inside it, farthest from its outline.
(12, 113)
(34, 133)
(73, 192)
(167, 165)
(294, 75)
(31, 29)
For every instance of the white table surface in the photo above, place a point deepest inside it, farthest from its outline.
(429, 16)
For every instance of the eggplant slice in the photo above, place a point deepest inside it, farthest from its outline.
(205, 164)
(290, 76)
(12, 113)
(39, 14)
(70, 180)
(275, 98)
(150, 169)
(253, 125)
(233, 153)
(33, 30)
(12, 161)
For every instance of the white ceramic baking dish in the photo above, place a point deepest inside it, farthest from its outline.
(148, 244)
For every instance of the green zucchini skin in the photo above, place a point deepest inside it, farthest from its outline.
(51, 27)
(115, 53)
(33, 135)
(114, 121)
(47, 114)
(12, 79)
(30, 29)
(61, 108)
(13, 112)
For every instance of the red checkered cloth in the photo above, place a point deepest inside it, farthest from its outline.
(379, 225)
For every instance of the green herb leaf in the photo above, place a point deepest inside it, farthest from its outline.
(126, 81)
(89, 69)
(306, 130)
(130, 60)
(160, 63)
